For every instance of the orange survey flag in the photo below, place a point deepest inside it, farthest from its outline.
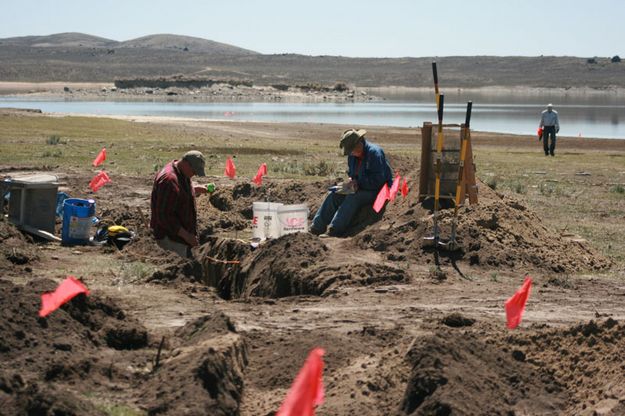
(404, 188)
(394, 188)
(515, 306)
(262, 170)
(99, 180)
(101, 157)
(69, 288)
(306, 392)
(383, 195)
(231, 170)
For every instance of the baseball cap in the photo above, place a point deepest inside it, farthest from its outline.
(350, 138)
(196, 160)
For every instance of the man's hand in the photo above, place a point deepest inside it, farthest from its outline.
(191, 239)
(353, 184)
(199, 189)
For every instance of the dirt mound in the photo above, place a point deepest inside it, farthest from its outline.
(39, 356)
(294, 264)
(454, 372)
(574, 370)
(585, 359)
(17, 398)
(301, 264)
(363, 374)
(202, 375)
(239, 198)
(15, 247)
(498, 232)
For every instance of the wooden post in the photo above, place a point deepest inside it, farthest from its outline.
(426, 149)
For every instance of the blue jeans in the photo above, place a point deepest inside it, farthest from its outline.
(547, 132)
(339, 210)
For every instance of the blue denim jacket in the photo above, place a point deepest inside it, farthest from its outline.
(374, 170)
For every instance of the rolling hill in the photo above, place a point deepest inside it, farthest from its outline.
(76, 57)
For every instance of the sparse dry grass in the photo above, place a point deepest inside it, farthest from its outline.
(574, 203)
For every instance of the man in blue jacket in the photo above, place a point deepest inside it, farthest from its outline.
(368, 172)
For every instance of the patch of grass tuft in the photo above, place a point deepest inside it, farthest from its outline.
(54, 139)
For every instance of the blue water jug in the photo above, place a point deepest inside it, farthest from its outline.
(77, 221)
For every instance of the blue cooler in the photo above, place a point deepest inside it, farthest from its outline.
(77, 221)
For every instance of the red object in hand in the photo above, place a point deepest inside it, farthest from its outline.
(381, 199)
(231, 170)
(404, 188)
(262, 170)
(99, 181)
(101, 157)
(394, 188)
(307, 390)
(540, 133)
(68, 289)
(515, 306)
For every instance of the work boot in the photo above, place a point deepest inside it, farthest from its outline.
(552, 154)
(332, 232)
(315, 231)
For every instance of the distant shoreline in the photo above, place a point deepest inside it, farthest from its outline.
(86, 91)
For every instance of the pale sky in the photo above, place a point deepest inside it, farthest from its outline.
(385, 28)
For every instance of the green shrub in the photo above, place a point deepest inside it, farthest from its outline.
(492, 182)
(618, 189)
(54, 139)
(48, 153)
(321, 168)
(518, 187)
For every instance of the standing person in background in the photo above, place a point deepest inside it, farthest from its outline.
(550, 125)
(174, 212)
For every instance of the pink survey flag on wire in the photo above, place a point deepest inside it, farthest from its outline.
(99, 180)
(394, 188)
(515, 306)
(404, 188)
(68, 289)
(262, 170)
(231, 170)
(306, 392)
(101, 157)
(381, 199)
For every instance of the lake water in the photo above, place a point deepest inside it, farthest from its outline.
(585, 116)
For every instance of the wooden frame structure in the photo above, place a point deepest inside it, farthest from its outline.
(449, 168)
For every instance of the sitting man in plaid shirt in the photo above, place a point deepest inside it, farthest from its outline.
(174, 212)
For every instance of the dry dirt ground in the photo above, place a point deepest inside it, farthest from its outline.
(160, 335)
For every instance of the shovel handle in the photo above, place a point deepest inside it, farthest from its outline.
(435, 73)
(441, 103)
(467, 121)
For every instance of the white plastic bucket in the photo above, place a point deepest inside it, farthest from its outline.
(265, 220)
(293, 218)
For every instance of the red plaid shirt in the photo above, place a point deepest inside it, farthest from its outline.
(173, 204)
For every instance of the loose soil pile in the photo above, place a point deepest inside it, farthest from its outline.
(50, 365)
(45, 360)
(203, 373)
(499, 232)
(16, 249)
(573, 370)
(294, 264)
